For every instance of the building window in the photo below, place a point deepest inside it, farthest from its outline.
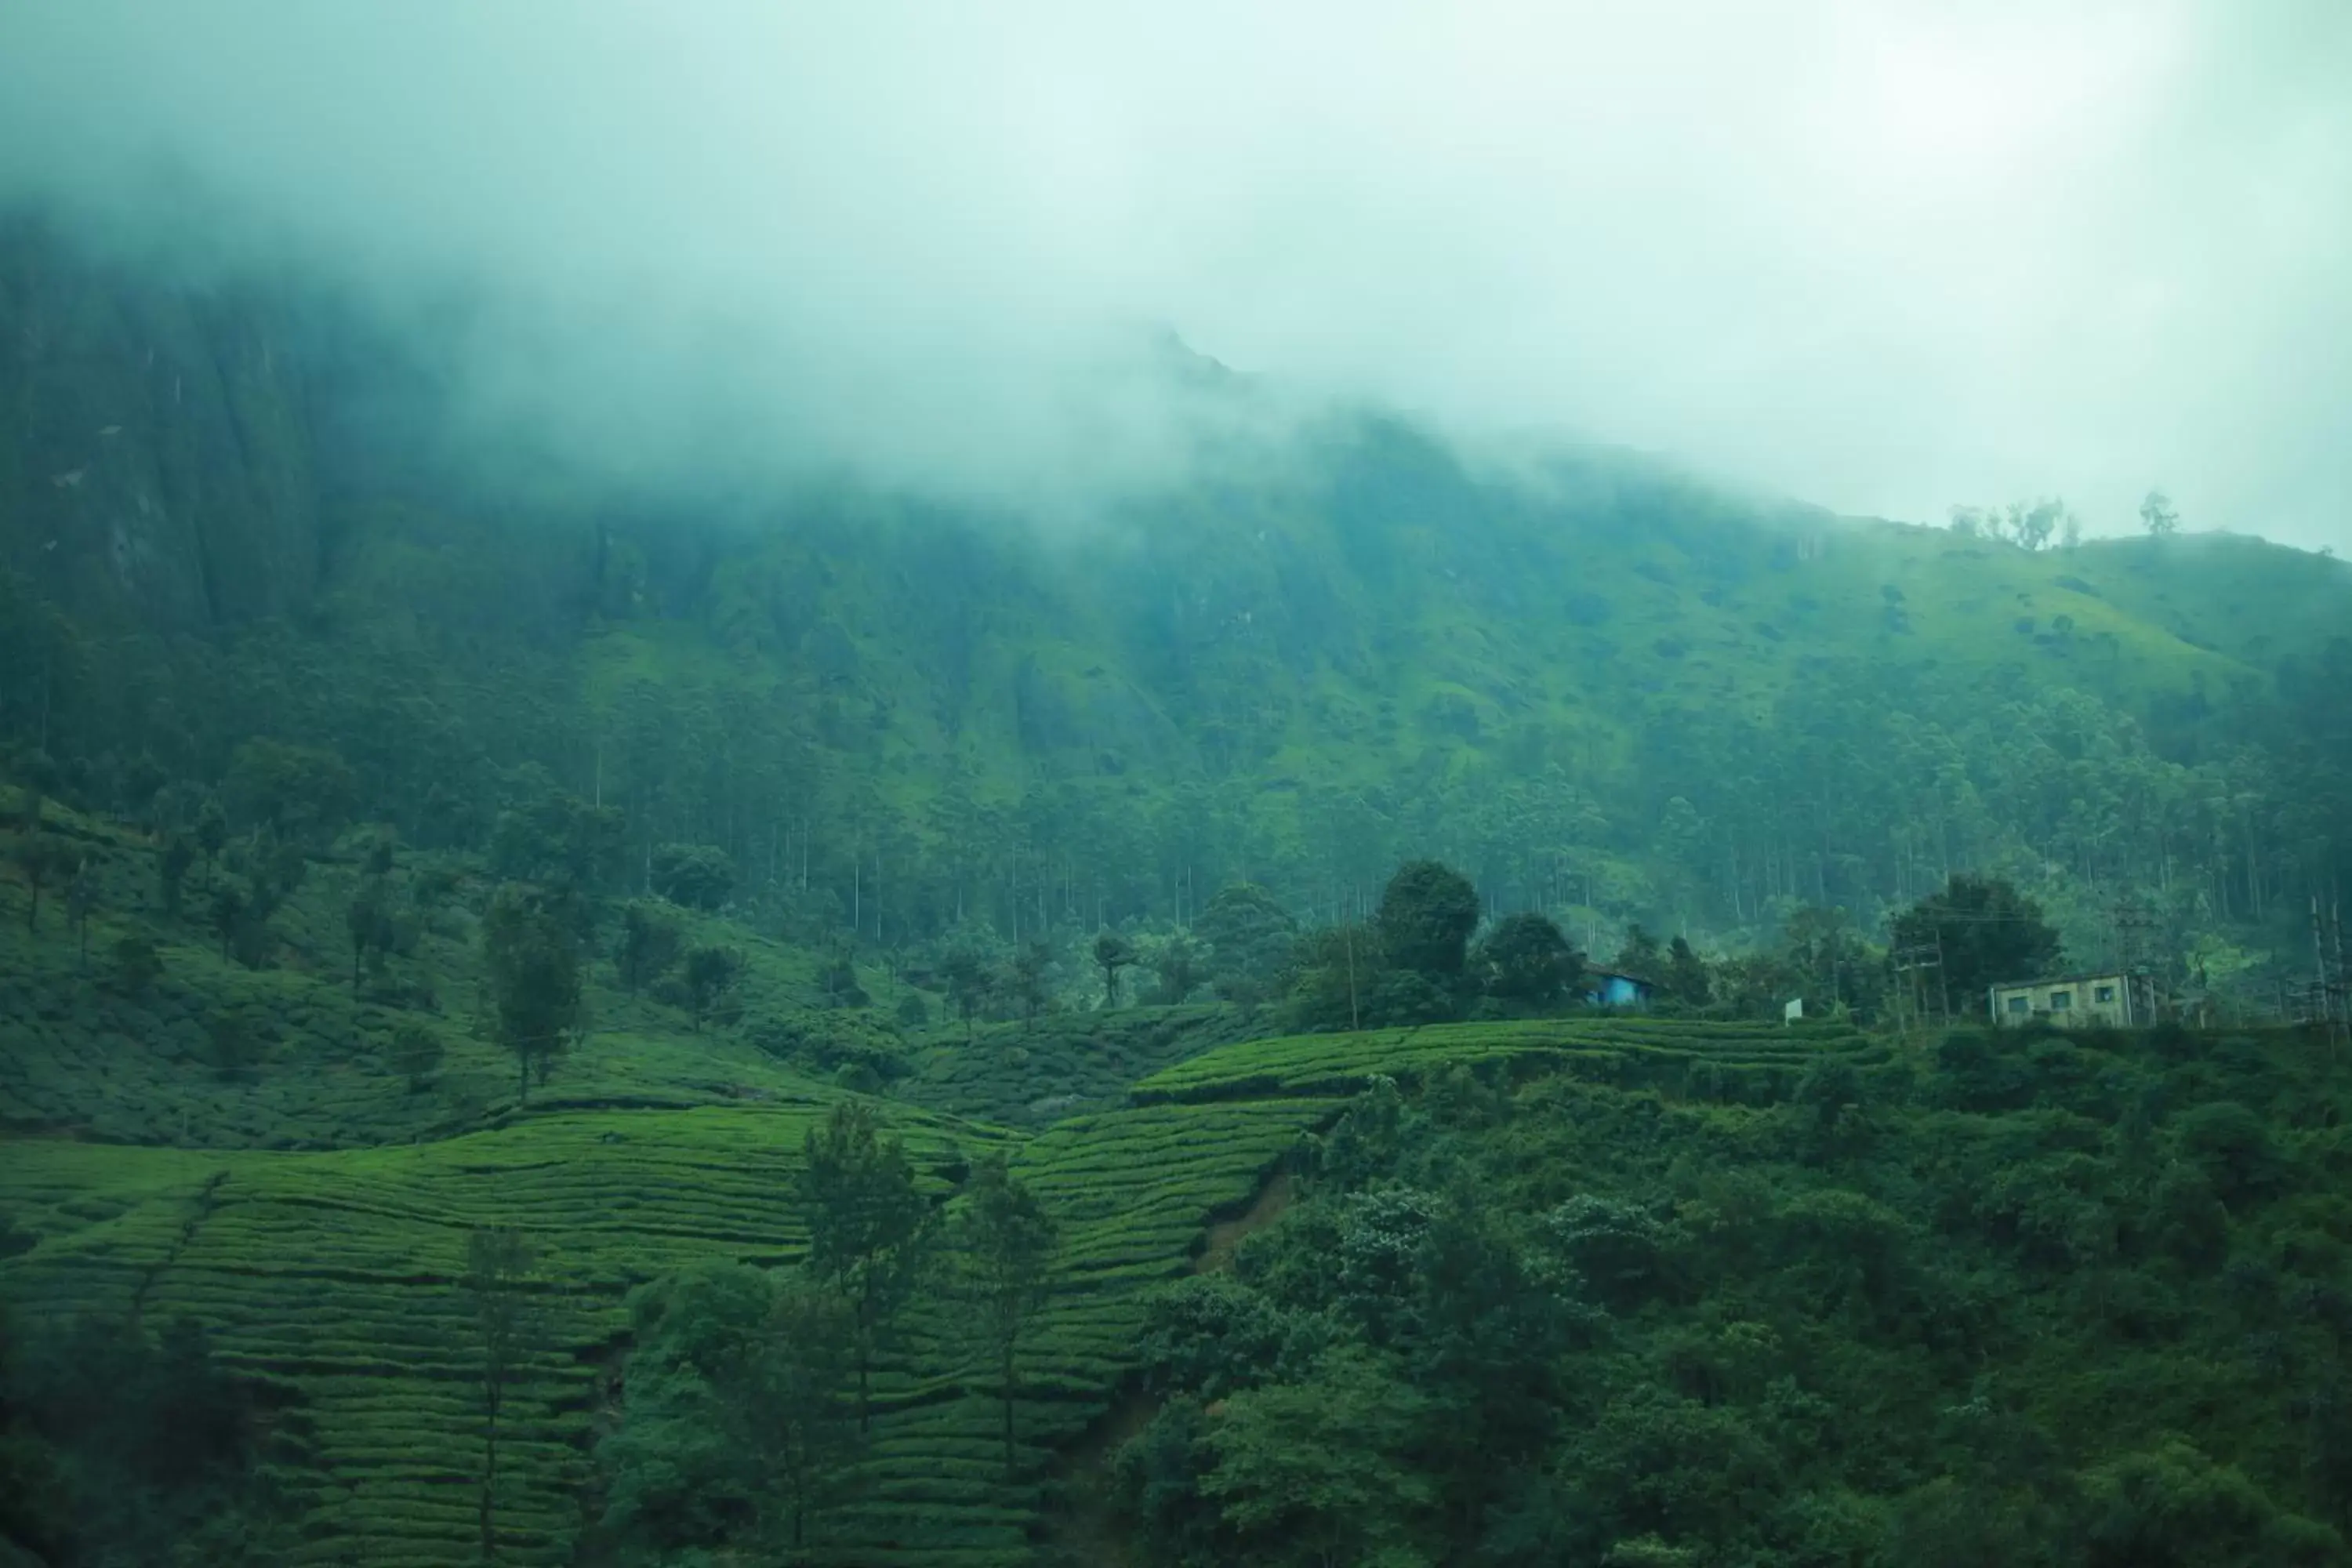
(2104, 993)
(2061, 1000)
(2020, 1004)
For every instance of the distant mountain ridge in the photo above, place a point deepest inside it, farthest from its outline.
(1602, 686)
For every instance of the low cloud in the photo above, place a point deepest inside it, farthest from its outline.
(1885, 255)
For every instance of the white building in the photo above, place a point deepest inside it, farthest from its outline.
(2071, 1000)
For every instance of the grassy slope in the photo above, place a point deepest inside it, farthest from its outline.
(1299, 661)
(86, 1056)
(2250, 600)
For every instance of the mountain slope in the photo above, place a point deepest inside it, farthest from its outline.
(1601, 685)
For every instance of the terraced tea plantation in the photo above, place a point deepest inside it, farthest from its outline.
(1022, 1075)
(1749, 1062)
(333, 1275)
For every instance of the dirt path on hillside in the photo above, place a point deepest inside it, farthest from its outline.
(1274, 1195)
(1088, 1531)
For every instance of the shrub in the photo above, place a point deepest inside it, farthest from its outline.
(137, 964)
(698, 875)
(415, 1054)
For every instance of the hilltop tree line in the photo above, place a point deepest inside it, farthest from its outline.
(555, 909)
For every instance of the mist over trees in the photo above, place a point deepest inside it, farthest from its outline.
(1381, 997)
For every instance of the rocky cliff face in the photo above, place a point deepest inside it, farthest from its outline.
(156, 466)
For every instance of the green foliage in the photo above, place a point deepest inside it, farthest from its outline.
(415, 1054)
(836, 979)
(499, 1264)
(1984, 932)
(1175, 958)
(558, 838)
(1112, 952)
(698, 875)
(121, 1446)
(231, 1049)
(650, 944)
(1527, 963)
(1070, 1061)
(1026, 979)
(1617, 693)
(1640, 956)
(970, 983)
(737, 1426)
(712, 974)
(1827, 961)
(1336, 972)
(833, 1045)
(870, 1232)
(171, 872)
(1829, 1299)
(212, 831)
(1006, 1245)
(1249, 935)
(1854, 1327)
(368, 921)
(533, 971)
(1427, 915)
(1686, 979)
(2175, 1507)
(137, 964)
(297, 792)
(1320, 1472)
(41, 860)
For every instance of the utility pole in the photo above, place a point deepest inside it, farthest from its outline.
(1943, 977)
(1355, 1018)
(2322, 992)
(1909, 961)
(2133, 920)
(2343, 988)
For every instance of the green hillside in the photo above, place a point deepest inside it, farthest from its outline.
(856, 993)
(330, 1278)
(1790, 1253)
(1602, 687)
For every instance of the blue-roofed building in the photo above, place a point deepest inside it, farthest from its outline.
(1625, 990)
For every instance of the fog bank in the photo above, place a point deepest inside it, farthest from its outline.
(1888, 257)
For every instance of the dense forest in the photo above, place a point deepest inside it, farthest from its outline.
(703, 1021)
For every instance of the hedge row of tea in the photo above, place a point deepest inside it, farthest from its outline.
(1739, 1061)
(1019, 1075)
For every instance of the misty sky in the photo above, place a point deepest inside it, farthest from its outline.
(1885, 255)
